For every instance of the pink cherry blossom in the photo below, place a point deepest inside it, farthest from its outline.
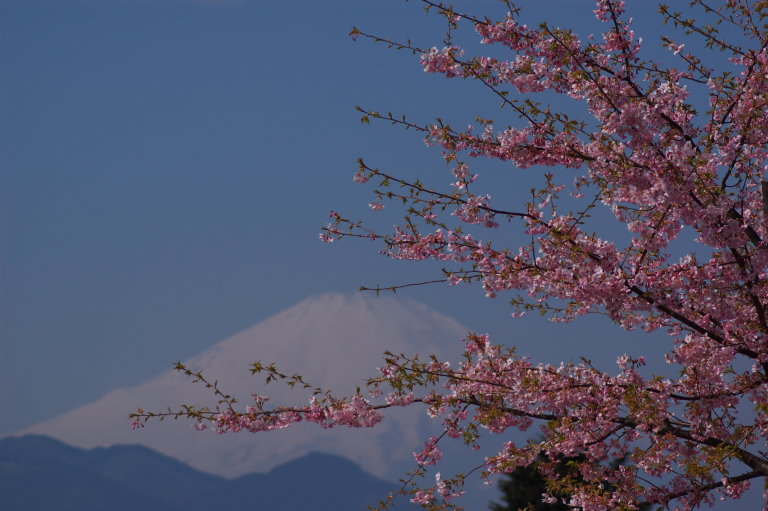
(670, 155)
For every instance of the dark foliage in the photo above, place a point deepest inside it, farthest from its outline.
(522, 488)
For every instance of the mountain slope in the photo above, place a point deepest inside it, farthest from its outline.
(37, 471)
(40, 473)
(314, 481)
(336, 341)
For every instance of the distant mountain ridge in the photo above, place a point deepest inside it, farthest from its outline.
(39, 472)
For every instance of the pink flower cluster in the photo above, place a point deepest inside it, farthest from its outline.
(678, 158)
(354, 412)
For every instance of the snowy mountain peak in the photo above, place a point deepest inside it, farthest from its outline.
(334, 340)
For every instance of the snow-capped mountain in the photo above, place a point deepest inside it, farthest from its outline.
(335, 341)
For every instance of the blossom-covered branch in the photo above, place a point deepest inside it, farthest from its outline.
(677, 157)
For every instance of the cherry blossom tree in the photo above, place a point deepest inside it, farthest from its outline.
(671, 154)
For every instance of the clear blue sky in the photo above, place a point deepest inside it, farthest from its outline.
(166, 165)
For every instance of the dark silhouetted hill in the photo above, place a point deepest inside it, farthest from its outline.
(38, 472)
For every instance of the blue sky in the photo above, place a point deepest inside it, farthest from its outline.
(166, 165)
(165, 168)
